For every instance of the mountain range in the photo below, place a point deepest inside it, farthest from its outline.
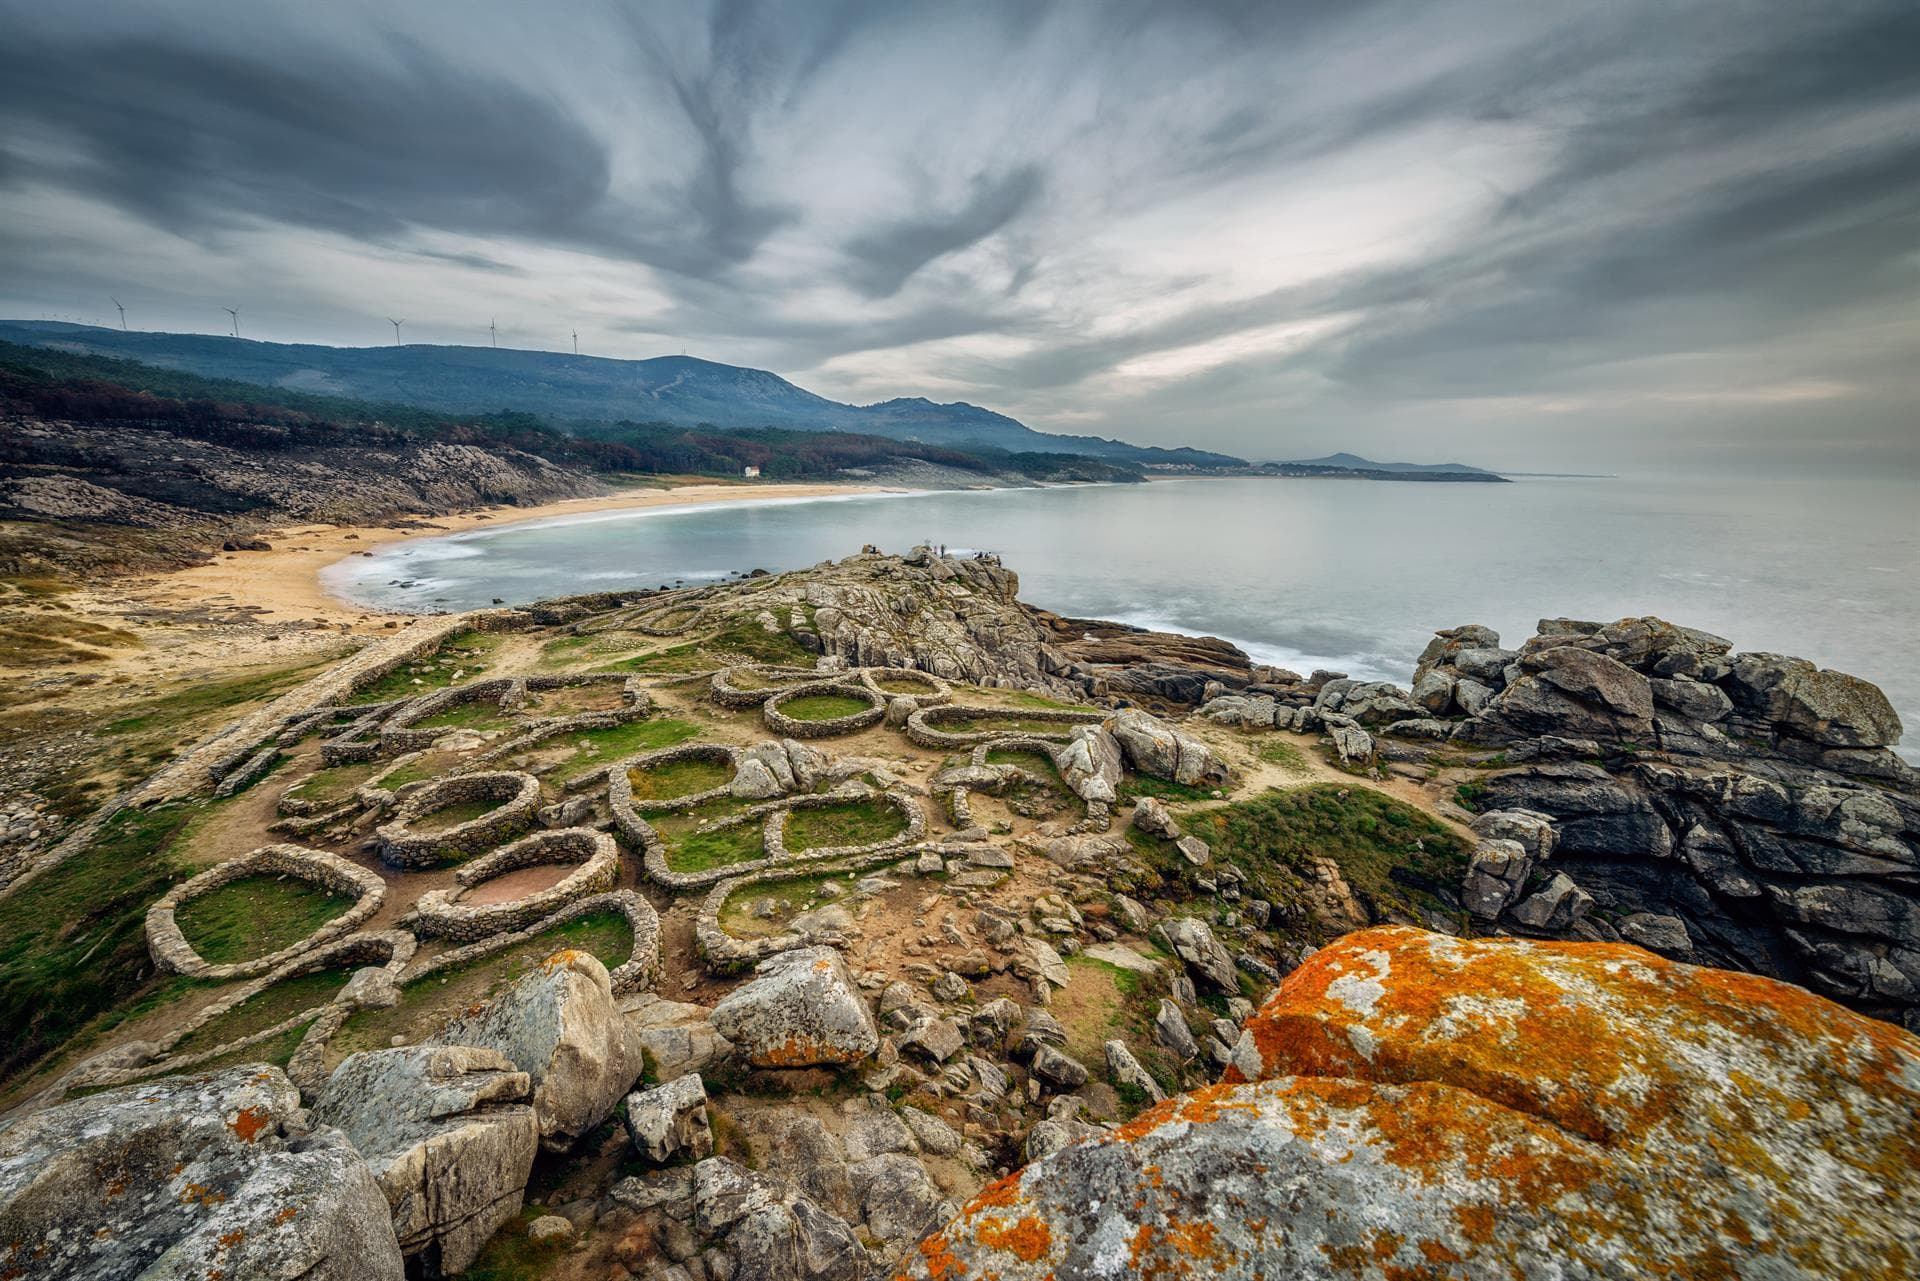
(567, 389)
(1353, 462)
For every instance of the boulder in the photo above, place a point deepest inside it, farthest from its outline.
(1150, 816)
(1530, 829)
(1126, 1073)
(1090, 764)
(1574, 692)
(1832, 709)
(1692, 699)
(670, 1120)
(753, 781)
(801, 1010)
(674, 1037)
(185, 1176)
(1057, 1068)
(1156, 748)
(1666, 935)
(1249, 711)
(1433, 690)
(561, 1027)
(449, 1136)
(1555, 907)
(1349, 740)
(1495, 875)
(1191, 939)
(1409, 1104)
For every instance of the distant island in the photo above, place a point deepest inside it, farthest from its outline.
(1343, 466)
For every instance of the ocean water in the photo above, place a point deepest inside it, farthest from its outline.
(1348, 575)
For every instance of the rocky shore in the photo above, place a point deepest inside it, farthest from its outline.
(864, 920)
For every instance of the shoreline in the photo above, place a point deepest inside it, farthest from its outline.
(284, 585)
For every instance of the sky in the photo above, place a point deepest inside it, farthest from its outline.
(1534, 234)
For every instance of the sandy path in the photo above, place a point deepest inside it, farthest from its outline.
(285, 582)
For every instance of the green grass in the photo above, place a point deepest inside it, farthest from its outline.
(1134, 786)
(512, 1256)
(604, 746)
(1032, 762)
(276, 1050)
(987, 722)
(802, 892)
(675, 658)
(749, 638)
(333, 784)
(256, 915)
(674, 779)
(463, 652)
(264, 1009)
(442, 820)
(73, 942)
(824, 707)
(852, 823)
(901, 685)
(1285, 755)
(430, 766)
(1368, 834)
(701, 851)
(201, 697)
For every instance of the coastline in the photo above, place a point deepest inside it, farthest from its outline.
(284, 585)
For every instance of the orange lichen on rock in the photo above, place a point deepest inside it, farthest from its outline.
(1411, 1105)
(249, 1122)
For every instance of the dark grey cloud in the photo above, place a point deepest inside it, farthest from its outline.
(884, 259)
(1261, 226)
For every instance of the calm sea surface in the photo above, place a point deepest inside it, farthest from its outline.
(1349, 575)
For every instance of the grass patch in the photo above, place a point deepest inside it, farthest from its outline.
(333, 784)
(1285, 755)
(1135, 786)
(73, 942)
(697, 851)
(201, 697)
(430, 766)
(598, 747)
(824, 707)
(749, 638)
(1389, 852)
(989, 722)
(674, 659)
(256, 915)
(442, 820)
(851, 823)
(674, 779)
(513, 1256)
(902, 685)
(264, 1009)
(801, 894)
(464, 654)
(275, 1050)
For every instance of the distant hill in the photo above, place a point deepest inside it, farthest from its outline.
(1353, 462)
(566, 389)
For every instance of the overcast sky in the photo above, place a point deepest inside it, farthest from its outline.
(1527, 234)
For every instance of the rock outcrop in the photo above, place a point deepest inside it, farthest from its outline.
(212, 1175)
(449, 1137)
(800, 1010)
(1409, 1104)
(561, 1027)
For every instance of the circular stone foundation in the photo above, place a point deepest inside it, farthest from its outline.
(171, 951)
(924, 688)
(780, 723)
(620, 778)
(925, 725)
(515, 796)
(442, 913)
(734, 686)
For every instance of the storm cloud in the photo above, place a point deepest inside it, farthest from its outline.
(1512, 233)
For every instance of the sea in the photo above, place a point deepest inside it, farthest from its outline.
(1350, 576)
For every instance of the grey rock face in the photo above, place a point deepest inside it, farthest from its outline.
(1170, 1029)
(1125, 1070)
(1150, 816)
(670, 1120)
(1090, 764)
(1830, 708)
(1058, 1069)
(1191, 939)
(1494, 877)
(1664, 934)
(803, 1009)
(1156, 748)
(449, 1136)
(1574, 692)
(1555, 907)
(676, 1036)
(168, 1179)
(561, 1027)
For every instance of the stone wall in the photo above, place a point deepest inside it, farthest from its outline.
(517, 793)
(790, 727)
(172, 953)
(440, 913)
(923, 727)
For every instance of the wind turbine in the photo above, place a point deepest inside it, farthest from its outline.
(576, 342)
(493, 333)
(235, 313)
(396, 330)
(123, 314)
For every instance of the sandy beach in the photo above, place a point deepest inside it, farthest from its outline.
(284, 583)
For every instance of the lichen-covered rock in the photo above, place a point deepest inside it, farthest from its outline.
(189, 1177)
(561, 1027)
(801, 1010)
(448, 1136)
(1409, 1104)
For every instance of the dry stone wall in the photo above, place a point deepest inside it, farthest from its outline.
(173, 954)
